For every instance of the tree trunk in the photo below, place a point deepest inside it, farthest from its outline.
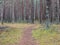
(2, 7)
(24, 1)
(47, 15)
(13, 16)
(34, 10)
(57, 11)
(38, 10)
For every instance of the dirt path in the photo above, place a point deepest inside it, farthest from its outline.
(27, 38)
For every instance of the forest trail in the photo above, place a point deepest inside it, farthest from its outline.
(27, 38)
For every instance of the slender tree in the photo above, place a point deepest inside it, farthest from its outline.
(13, 16)
(47, 14)
(1, 8)
(38, 9)
(29, 9)
(41, 10)
(32, 11)
(20, 17)
(52, 7)
(57, 5)
(24, 1)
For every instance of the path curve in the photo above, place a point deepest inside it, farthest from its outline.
(27, 38)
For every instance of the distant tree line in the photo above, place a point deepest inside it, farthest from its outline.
(30, 11)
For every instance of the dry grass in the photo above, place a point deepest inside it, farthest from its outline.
(13, 34)
(16, 25)
(10, 36)
(47, 37)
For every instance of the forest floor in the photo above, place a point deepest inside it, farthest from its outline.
(29, 34)
(49, 36)
(10, 34)
(27, 38)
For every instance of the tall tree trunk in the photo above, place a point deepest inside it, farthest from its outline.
(20, 17)
(57, 11)
(2, 7)
(47, 14)
(34, 10)
(41, 10)
(29, 9)
(24, 1)
(38, 10)
(53, 10)
(13, 16)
